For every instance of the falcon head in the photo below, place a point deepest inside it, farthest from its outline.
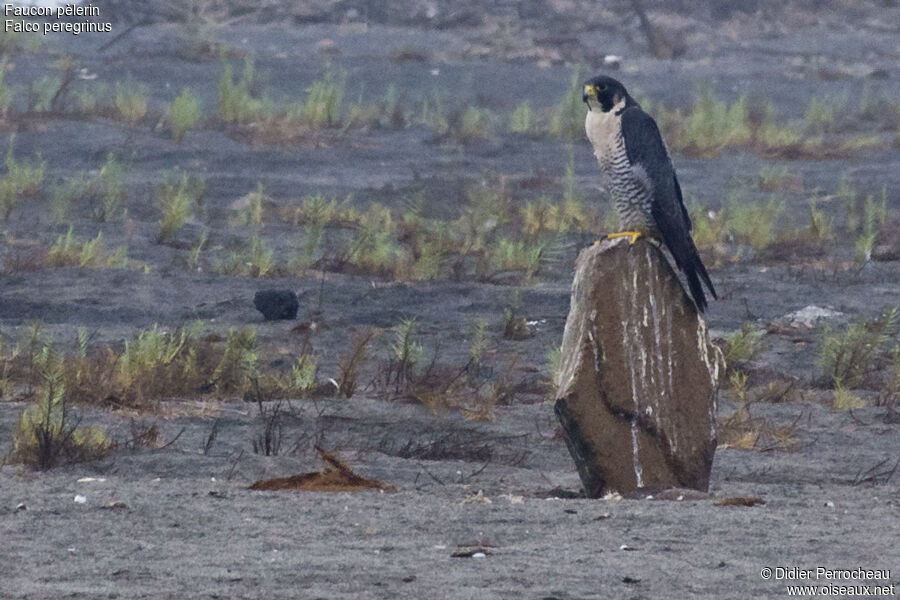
(603, 93)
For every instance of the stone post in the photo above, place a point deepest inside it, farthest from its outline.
(637, 383)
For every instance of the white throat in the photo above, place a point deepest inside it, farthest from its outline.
(602, 128)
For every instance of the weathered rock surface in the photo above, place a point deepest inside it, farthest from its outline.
(276, 304)
(637, 383)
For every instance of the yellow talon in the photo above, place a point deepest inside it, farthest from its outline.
(634, 235)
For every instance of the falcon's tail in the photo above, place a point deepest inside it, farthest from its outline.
(694, 271)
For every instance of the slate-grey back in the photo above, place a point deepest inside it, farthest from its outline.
(642, 183)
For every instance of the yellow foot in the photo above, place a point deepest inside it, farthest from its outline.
(634, 235)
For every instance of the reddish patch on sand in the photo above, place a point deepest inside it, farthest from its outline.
(337, 477)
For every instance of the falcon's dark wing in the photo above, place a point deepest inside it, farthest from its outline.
(645, 148)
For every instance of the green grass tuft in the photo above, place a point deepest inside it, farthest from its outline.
(130, 101)
(847, 357)
(21, 181)
(567, 117)
(522, 119)
(177, 199)
(184, 114)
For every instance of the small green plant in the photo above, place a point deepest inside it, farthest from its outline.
(48, 431)
(771, 135)
(433, 114)
(236, 102)
(239, 365)
(184, 114)
(112, 188)
(41, 92)
(303, 375)
(752, 223)
(821, 225)
(713, 124)
(130, 101)
(20, 181)
(257, 259)
(177, 198)
(375, 248)
(260, 258)
(820, 113)
(407, 351)
(324, 102)
(844, 399)
(567, 118)
(194, 259)
(146, 359)
(874, 216)
(474, 124)
(67, 251)
(6, 94)
(487, 208)
(516, 255)
(515, 325)
(521, 120)
(849, 356)
(573, 214)
(350, 363)
(253, 208)
(479, 344)
(555, 360)
(742, 346)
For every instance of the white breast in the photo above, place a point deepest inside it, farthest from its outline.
(603, 130)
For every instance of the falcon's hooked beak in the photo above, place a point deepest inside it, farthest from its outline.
(589, 92)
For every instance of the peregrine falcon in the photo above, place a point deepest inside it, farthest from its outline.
(639, 176)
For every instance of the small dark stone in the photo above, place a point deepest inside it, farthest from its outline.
(276, 304)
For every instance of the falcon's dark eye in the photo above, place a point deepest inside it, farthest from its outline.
(602, 87)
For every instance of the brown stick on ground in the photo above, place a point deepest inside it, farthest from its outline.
(338, 477)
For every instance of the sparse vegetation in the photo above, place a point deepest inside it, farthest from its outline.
(177, 199)
(742, 346)
(712, 125)
(184, 114)
(844, 399)
(848, 357)
(49, 431)
(6, 94)
(324, 101)
(236, 102)
(515, 325)
(257, 259)
(130, 102)
(753, 224)
(67, 251)
(567, 117)
(522, 119)
(474, 123)
(21, 181)
(111, 182)
(351, 362)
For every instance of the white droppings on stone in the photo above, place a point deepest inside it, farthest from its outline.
(638, 471)
(593, 337)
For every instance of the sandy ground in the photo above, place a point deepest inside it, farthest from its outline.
(179, 522)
